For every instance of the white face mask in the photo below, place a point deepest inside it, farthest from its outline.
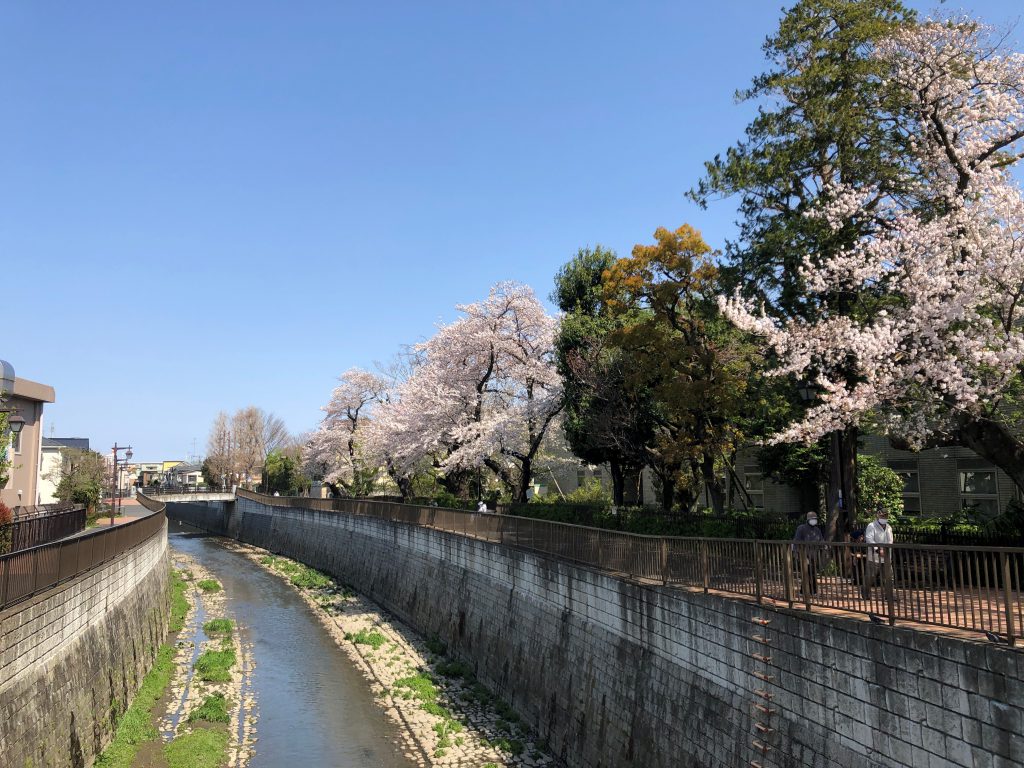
(812, 521)
(883, 521)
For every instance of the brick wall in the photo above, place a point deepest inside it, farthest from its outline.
(72, 658)
(616, 674)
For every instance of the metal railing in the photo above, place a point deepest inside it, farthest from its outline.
(971, 588)
(176, 489)
(32, 510)
(31, 571)
(27, 531)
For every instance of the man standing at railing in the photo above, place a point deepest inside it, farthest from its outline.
(808, 547)
(876, 536)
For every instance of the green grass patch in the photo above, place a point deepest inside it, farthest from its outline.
(214, 666)
(512, 746)
(418, 686)
(372, 638)
(436, 646)
(505, 711)
(179, 603)
(136, 726)
(300, 575)
(216, 627)
(213, 710)
(200, 748)
(209, 585)
(454, 669)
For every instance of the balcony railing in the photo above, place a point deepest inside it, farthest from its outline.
(978, 589)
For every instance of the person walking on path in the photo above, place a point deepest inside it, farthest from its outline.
(876, 536)
(808, 547)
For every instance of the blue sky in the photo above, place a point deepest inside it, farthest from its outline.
(210, 205)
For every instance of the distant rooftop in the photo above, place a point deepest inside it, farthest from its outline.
(81, 443)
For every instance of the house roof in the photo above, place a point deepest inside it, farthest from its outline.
(66, 442)
(33, 390)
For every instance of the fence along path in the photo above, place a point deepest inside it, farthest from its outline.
(30, 571)
(977, 589)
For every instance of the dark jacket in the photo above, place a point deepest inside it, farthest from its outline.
(810, 535)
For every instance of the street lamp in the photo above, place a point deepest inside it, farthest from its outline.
(14, 420)
(115, 496)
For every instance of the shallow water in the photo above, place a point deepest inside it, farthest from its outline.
(315, 709)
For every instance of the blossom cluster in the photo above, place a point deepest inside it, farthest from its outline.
(938, 274)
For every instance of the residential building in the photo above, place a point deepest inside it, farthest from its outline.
(25, 450)
(186, 474)
(50, 464)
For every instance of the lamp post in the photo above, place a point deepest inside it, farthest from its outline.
(115, 496)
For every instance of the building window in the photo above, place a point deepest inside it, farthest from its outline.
(753, 482)
(907, 470)
(979, 491)
(599, 476)
(581, 477)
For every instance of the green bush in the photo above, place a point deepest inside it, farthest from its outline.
(879, 486)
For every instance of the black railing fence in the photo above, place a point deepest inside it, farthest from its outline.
(31, 571)
(970, 588)
(40, 528)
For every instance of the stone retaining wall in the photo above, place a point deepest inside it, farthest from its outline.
(615, 674)
(72, 658)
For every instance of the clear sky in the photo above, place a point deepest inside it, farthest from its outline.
(209, 205)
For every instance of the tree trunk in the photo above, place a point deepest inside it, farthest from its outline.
(995, 442)
(842, 486)
(713, 484)
(668, 491)
(618, 483)
(524, 479)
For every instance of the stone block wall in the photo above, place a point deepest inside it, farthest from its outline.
(72, 658)
(615, 674)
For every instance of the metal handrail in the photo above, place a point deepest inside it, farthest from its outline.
(37, 569)
(40, 528)
(972, 588)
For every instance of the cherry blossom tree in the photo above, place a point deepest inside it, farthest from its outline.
(333, 450)
(483, 393)
(935, 353)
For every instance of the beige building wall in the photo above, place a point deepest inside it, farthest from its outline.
(49, 475)
(22, 488)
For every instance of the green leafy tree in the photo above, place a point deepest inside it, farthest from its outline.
(81, 477)
(5, 451)
(826, 117)
(283, 473)
(695, 365)
(605, 420)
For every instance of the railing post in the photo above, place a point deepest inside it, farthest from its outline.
(758, 572)
(664, 561)
(705, 569)
(787, 573)
(1011, 630)
(887, 585)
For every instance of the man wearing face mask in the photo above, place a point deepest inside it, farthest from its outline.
(808, 546)
(878, 533)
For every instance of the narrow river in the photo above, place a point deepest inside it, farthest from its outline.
(315, 709)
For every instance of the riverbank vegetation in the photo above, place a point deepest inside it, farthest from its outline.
(444, 710)
(204, 741)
